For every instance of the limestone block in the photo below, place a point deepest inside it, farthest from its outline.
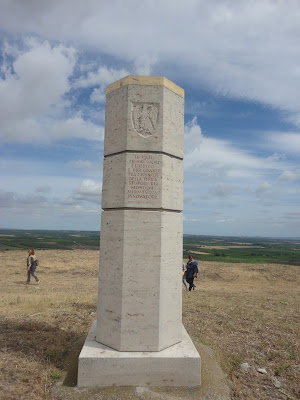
(99, 365)
(144, 118)
(140, 304)
(142, 180)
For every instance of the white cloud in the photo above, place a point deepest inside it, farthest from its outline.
(289, 176)
(218, 173)
(90, 191)
(6, 198)
(286, 141)
(294, 215)
(220, 158)
(37, 79)
(224, 221)
(185, 219)
(90, 187)
(193, 137)
(32, 95)
(276, 157)
(15, 201)
(82, 164)
(98, 96)
(223, 190)
(43, 189)
(264, 189)
(51, 205)
(32, 88)
(75, 127)
(241, 49)
(101, 78)
(77, 210)
(46, 129)
(144, 64)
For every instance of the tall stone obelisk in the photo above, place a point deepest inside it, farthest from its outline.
(138, 338)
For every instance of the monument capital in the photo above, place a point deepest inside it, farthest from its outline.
(146, 114)
(145, 81)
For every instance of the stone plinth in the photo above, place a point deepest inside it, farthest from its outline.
(99, 365)
(138, 337)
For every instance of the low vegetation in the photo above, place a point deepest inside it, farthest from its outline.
(207, 248)
(239, 250)
(13, 239)
(249, 313)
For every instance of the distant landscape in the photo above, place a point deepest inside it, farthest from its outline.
(206, 248)
(243, 249)
(11, 239)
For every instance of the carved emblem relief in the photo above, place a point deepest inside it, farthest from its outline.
(144, 118)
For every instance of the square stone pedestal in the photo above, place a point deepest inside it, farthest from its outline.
(99, 365)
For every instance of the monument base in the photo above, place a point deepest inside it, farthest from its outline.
(99, 365)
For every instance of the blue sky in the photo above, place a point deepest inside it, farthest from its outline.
(239, 64)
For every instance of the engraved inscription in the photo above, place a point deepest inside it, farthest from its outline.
(143, 174)
(144, 118)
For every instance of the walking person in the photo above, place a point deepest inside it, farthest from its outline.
(184, 276)
(31, 267)
(191, 271)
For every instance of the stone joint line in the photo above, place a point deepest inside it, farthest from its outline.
(141, 208)
(143, 152)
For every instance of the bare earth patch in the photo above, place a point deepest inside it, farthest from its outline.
(242, 246)
(4, 235)
(245, 313)
(200, 252)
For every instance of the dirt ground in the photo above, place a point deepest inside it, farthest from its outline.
(244, 313)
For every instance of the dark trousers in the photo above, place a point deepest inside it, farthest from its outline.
(190, 281)
(32, 272)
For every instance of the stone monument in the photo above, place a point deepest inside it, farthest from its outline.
(138, 338)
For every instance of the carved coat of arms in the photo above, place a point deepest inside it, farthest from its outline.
(144, 118)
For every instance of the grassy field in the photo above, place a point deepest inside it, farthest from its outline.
(244, 312)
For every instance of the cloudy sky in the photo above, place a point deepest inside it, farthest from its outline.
(239, 64)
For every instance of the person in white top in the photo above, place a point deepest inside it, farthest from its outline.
(31, 267)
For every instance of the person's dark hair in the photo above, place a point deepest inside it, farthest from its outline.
(31, 252)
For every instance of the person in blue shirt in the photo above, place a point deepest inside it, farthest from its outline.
(191, 271)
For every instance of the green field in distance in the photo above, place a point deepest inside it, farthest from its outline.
(242, 249)
(206, 248)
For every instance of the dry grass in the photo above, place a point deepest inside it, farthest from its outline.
(44, 326)
(249, 313)
(245, 312)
